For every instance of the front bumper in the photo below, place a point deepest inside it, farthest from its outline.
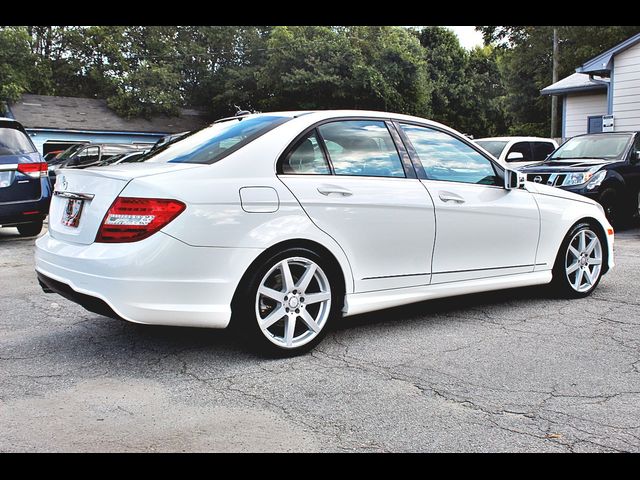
(157, 281)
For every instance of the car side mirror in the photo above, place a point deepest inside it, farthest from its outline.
(514, 179)
(635, 158)
(515, 157)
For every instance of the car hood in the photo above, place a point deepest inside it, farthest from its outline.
(547, 190)
(569, 165)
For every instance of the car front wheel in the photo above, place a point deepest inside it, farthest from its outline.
(289, 303)
(578, 267)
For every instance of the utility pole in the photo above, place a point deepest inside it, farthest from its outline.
(554, 98)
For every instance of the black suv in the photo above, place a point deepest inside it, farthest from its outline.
(601, 166)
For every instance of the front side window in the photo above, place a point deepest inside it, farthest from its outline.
(216, 141)
(361, 148)
(521, 147)
(306, 157)
(444, 157)
(14, 142)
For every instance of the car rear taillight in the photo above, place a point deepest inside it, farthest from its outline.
(34, 170)
(131, 219)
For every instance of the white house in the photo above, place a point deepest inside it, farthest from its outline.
(607, 85)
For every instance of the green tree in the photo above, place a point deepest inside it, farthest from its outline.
(525, 64)
(18, 65)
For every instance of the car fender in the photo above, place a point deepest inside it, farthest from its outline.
(557, 215)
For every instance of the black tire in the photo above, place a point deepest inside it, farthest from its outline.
(30, 229)
(560, 285)
(244, 322)
(610, 201)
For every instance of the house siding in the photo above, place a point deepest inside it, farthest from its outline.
(626, 89)
(579, 107)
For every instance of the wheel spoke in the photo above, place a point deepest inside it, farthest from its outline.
(271, 293)
(317, 297)
(595, 261)
(309, 321)
(574, 252)
(582, 242)
(592, 245)
(272, 318)
(578, 280)
(290, 329)
(573, 267)
(589, 276)
(306, 278)
(287, 279)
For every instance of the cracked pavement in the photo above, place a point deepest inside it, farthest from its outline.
(515, 370)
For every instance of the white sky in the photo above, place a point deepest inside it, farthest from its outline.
(468, 36)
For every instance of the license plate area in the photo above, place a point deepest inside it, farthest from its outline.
(72, 212)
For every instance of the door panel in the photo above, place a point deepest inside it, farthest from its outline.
(385, 226)
(482, 231)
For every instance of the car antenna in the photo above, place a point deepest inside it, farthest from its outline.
(240, 112)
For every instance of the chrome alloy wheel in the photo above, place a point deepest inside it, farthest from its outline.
(583, 260)
(293, 302)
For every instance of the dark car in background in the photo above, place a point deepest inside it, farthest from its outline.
(601, 166)
(129, 157)
(93, 154)
(25, 191)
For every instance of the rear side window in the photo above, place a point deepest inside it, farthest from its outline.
(14, 142)
(361, 148)
(306, 158)
(216, 141)
(541, 150)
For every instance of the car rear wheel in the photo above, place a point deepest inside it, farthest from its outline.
(30, 229)
(288, 304)
(578, 267)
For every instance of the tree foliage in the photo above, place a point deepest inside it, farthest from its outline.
(145, 70)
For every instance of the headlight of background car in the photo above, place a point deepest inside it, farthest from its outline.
(577, 178)
(596, 180)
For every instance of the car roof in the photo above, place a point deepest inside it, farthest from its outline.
(313, 116)
(517, 139)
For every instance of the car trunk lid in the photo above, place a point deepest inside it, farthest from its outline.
(82, 197)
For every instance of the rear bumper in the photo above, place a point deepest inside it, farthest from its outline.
(158, 281)
(15, 213)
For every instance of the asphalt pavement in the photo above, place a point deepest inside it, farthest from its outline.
(515, 370)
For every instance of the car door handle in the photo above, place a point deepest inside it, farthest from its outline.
(329, 189)
(450, 197)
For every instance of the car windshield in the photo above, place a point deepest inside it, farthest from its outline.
(14, 142)
(216, 141)
(608, 147)
(494, 147)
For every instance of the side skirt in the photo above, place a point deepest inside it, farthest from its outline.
(356, 303)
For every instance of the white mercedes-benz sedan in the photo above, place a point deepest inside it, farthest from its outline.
(280, 224)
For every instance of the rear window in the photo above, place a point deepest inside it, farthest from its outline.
(216, 141)
(14, 142)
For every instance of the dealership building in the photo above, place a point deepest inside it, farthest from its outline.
(603, 94)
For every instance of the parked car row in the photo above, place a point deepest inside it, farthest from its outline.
(27, 178)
